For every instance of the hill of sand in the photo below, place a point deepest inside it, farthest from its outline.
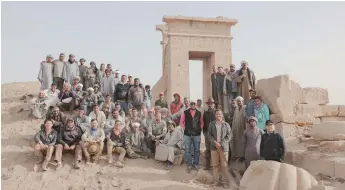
(18, 160)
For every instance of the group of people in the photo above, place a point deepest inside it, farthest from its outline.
(115, 115)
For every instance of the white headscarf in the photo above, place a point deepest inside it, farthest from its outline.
(239, 98)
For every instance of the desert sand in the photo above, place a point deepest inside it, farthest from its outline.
(18, 160)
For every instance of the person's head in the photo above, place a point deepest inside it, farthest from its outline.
(161, 96)
(130, 78)
(105, 108)
(252, 121)
(49, 58)
(232, 68)
(82, 61)
(117, 73)
(158, 116)
(94, 123)
(157, 109)
(134, 112)
(66, 86)
(239, 101)
(108, 98)
(176, 97)
(130, 112)
(192, 105)
(147, 87)
(41, 94)
(171, 126)
(117, 107)
(48, 124)
(244, 65)
(211, 104)
(227, 70)
(219, 115)
(90, 90)
(214, 68)
(252, 93)
(151, 113)
(79, 87)
(76, 80)
(107, 72)
(95, 108)
(53, 86)
(56, 111)
(270, 126)
(186, 101)
(143, 106)
(233, 103)
(81, 111)
(199, 102)
(92, 64)
(71, 57)
(258, 100)
(70, 122)
(123, 78)
(135, 126)
(220, 69)
(102, 67)
(164, 112)
(136, 82)
(117, 125)
(108, 66)
(96, 87)
(219, 107)
(115, 114)
(62, 57)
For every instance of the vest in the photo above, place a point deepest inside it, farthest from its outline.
(192, 125)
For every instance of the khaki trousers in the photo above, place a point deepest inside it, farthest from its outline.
(41, 150)
(77, 152)
(85, 146)
(220, 161)
(118, 150)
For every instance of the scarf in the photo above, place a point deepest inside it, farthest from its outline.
(71, 62)
(93, 131)
(259, 107)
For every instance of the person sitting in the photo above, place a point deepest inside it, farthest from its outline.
(165, 115)
(135, 119)
(75, 83)
(98, 115)
(150, 117)
(109, 104)
(79, 95)
(58, 119)
(272, 146)
(156, 131)
(92, 141)
(173, 141)
(82, 120)
(121, 112)
(67, 98)
(45, 140)
(110, 122)
(99, 95)
(137, 147)
(105, 110)
(52, 95)
(38, 106)
(69, 140)
(143, 112)
(117, 140)
(89, 99)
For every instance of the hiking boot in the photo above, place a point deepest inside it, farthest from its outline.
(59, 166)
(76, 165)
(87, 161)
(189, 169)
(168, 167)
(45, 165)
(118, 164)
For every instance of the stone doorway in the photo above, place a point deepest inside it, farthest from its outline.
(192, 38)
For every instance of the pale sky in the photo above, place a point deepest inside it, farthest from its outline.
(303, 39)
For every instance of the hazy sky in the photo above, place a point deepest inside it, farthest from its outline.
(303, 39)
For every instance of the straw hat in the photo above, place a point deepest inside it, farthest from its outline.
(93, 148)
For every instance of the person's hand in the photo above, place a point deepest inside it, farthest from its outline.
(66, 147)
(72, 147)
(242, 76)
(40, 142)
(218, 146)
(46, 146)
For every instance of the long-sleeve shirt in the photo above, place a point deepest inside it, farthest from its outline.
(136, 96)
(47, 139)
(70, 136)
(100, 117)
(192, 112)
(121, 140)
(59, 68)
(174, 139)
(157, 129)
(97, 135)
(107, 85)
(64, 95)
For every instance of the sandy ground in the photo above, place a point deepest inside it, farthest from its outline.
(18, 161)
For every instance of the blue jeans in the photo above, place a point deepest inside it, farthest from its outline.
(189, 143)
(124, 106)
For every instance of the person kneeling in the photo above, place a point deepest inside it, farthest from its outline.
(170, 146)
(69, 140)
(92, 141)
(116, 142)
(137, 147)
(45, 141)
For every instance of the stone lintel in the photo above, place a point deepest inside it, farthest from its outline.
(224, 20)
(199, 35)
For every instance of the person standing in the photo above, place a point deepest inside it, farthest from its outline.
(209, 116)
(71, 69)
(59, 66)
(136, 95)
(108, 84)
(238, 127)
(219, 133)
(82, 71)
(230, 85)
(220, 91)
(161, 102)
(214, 84)
(149, 96)
(45, 74)
(272, 145)
(252, 141)
(246, 80)
(121, 93)
(192, 122)
(261, 112)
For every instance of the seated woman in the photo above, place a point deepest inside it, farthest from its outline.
(38, 106)
(137, 147)
(67, 98)
(170, 146)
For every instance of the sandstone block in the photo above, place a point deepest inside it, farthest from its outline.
(309, 109)
(317, 96)
(340, 169)
(330, 110)
(295, 119)
(298, 94)
(331, 131)
(322, 187)
(294, 157)
(286, 130)
(325, 119)
(276, 93)
(341, 111)
(324, 166)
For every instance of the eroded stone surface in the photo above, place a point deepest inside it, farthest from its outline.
(330, 110)
(341, 111)
(298, 94)
(295, 119)
(328, 131)
(318, 96)
(309, 109)
(286, 130)
(325, 119)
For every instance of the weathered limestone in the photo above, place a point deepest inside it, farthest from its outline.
(306, 119)
(328, 131)
(298, 93)
(318, 96)
(341, 111)
(286, 130)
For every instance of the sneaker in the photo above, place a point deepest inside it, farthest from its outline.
(59, 166)
(45, 166)
(76, 165)
(189, 169)
(168, 167)
(118, 164)
(196, 167)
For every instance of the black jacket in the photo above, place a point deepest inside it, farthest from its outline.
(272, 146)
(121, 92)
(209, 116)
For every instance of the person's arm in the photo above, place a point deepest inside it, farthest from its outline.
(149, 130)
(254, 80)
(84, 137)
(182, 121)
(129, 95)
(225, 90)
(54, 139)
(115, 92)
(102, 137)
(145, 95)
(77, 71)
(201, 122)
(211, 138)
(244, 141)
(262, 145)
(166, 139)
(60, 138)
(37, 138)
(164, 132)
(282, 146)
(226, 138)
(101, 85)
(40, 73)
